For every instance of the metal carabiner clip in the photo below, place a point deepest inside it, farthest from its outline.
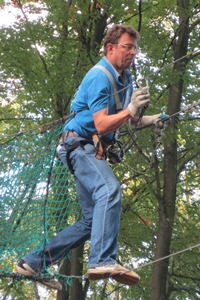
(142, 82)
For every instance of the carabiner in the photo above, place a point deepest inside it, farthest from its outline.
(142, 82)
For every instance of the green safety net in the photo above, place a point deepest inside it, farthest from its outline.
(37, 194)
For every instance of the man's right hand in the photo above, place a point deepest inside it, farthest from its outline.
(139, 98)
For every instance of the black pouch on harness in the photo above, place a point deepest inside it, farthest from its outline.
(115, 153)
(70, 148)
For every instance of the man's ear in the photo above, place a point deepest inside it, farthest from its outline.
(109, 48)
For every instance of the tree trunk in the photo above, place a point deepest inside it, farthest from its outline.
(72, 267)
(166, 220)
(77, 270)
(65, 269)
(168, 200)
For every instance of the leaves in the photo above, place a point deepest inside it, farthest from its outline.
(44, 55)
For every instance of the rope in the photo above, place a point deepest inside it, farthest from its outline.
(168, 256)
(31, 190)
(85, 276)
(172, 63)
(155, 261)
(184, 109)
(41, 128)
(137, 268)
(158, 139)
(45, 127)
(162, 68)
(62, 120)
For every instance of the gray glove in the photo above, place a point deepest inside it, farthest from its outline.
(139, 98)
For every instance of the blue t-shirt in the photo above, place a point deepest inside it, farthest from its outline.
(94, 94)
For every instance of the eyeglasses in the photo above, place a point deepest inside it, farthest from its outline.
(128, 47)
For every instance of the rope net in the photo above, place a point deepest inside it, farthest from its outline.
(37, 195)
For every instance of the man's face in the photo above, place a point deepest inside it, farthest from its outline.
(121, 55)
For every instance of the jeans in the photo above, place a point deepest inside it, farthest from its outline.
(99, 194)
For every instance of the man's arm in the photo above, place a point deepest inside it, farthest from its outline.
(105, 123)
(160, 120)
(149, 120)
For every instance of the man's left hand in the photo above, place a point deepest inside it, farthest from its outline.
(161, 120)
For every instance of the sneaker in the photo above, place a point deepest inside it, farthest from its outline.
(116, 271)
(24, 269)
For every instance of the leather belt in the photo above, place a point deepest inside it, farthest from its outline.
(67, 134)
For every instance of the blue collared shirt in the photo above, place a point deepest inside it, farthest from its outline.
(96, 93)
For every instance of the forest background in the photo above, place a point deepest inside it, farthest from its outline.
(45, 52)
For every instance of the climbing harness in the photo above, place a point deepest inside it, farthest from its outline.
(100, 146)
(80, 142)
(115, 152)
(118, 104)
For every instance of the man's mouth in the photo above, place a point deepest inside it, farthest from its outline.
(129, 60)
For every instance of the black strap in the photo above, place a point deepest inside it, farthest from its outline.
(70, 148)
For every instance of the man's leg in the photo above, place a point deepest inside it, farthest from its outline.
(97, 177)
(70, 237)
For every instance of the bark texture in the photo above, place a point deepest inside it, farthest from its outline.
(167, 201)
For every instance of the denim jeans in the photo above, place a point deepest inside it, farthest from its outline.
(99, 194)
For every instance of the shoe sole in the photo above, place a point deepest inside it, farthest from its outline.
(126, 279)
(121, 278)
(24, 272)
(55, 286)
(97, 276)
(30, 273)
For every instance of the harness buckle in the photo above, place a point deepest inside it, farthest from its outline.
(101, 147)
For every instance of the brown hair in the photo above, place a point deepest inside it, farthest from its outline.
(115, 32)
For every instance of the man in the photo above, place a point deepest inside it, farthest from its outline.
(82, 148)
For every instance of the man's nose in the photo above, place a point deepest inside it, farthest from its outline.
(133, 51)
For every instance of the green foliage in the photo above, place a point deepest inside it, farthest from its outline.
(43, 60)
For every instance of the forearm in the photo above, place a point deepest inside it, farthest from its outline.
(105, 123)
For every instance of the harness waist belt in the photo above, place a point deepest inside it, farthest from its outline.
(99, 144)
(66, 134)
